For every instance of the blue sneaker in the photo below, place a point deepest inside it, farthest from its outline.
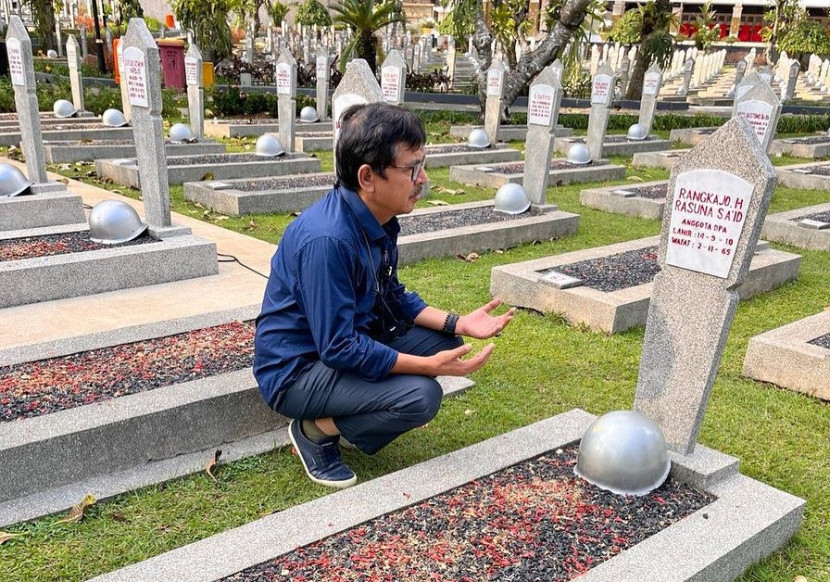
(321, 461)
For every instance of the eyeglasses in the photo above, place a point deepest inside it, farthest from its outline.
(415, 168)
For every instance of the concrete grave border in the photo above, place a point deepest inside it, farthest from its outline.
(612, 199)
(521, 284)
(48, 278)
(506, 132)
(239, 127)
(796, 147)
(550, 222)
(615, 148)
(748, 521)
(478, 175)
(125, 171)
(132, 441)
(63, 152)
(53, 205)
(782, 227)
(665, 159)
(79, 133)
(784, 357)
(691, 135)
(791, 177)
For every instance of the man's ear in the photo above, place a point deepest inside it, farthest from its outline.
(366, 178)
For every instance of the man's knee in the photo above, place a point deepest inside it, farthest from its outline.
(425, 400)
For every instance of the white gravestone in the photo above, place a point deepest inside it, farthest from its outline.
(195, 91)
(719, 194)
(543, 101)
(22, 72)
(322, 73)
(76, 80)
(286, 74)
(494, 105)
(602, 96)
(652, 82)
(761, 108)
(142, 69)
(393, 78)
(122, 83)
(357, 86)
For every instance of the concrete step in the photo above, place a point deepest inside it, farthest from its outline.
(51, 461)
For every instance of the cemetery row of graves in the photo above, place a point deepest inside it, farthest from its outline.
(689, 284)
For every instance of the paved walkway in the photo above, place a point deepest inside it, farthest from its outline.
(233, 287)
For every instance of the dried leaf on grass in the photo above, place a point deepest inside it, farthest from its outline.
(212, 464)
(6, 536)
(636, 179)
(251, 225)
(438, 203)
(450, 191)
(76, 514)
(468, 258)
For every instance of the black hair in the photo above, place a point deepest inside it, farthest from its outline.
(369, 134)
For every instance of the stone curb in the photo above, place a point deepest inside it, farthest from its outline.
(783, 227)
(610, 199)
(75, 133)
(480, 175)
(748, 521)
(64, 152)
(30, 211)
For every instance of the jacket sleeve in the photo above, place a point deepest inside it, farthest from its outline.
(326, 290)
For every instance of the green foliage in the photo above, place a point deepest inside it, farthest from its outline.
(43, 17)
(451, 26)
(365, 17)
(508, 21)
(6, 95)
(312, 12)
(233, 101)
(628, 30)
(277, 11)
(572, 54)
(61, 69)
(208, 19)
(806, 36)
(707, 33)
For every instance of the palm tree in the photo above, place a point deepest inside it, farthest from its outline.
(365, 17)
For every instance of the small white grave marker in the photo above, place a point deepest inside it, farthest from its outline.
(135, 69)
(540, 105)
(190, 71)
(15, 56)
(601, 89)
(283, 79)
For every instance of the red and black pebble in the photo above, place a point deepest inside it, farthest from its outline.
(30, 247)
(620, 271)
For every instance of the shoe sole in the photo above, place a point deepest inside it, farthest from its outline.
(336, 484)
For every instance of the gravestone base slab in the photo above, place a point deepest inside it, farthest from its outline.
(691, 135)
(310, 142)
(547, 222)
(624, 200)
(490, 176)
(747, 522)
(615, 148)
(784, 357)
(64, 152)
(78, 274)
(239, 197)
(140, 439)
(665, 159)
(799, 176)
(521, 285)
(801, 148)
(78, 132)
(785, 227)
(506, 132)
(125, 171)
(50, 204)
(247, 128)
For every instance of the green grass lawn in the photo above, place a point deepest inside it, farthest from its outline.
(541, 367)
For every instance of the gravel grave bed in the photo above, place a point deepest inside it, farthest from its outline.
(452, 148)
(36, 388)
(455, 219)
(819, 216)
(50, 125)
(808, 140)
(91, 142)
(208, 159)
(821, 341)
(652, 192)
(819, 170)
(620, 271)
(285, 183)
(534, 521)
(519, 167)
(48, 245)
(244, 121)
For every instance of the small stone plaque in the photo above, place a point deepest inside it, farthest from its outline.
(217, 185)
(322, 68)
(813, 224)
(390, 78)
(190, 71)
(802, 171)
(758, 114)
(651, 83)
(540, 105)
(495, 78)
(15, 56)
(669, 155)
(624, 193)
(708, 214)
(135, 69)
(283, 79)
(601, 89)
(560, 280)
(484, 169)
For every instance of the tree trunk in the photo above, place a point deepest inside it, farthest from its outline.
(635, 81)
(532, 62)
